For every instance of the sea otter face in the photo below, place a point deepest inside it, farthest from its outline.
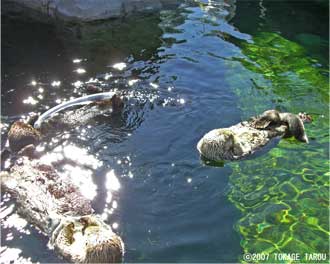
(117, 104)
(88, 239)
(21, 135)
(217, 145)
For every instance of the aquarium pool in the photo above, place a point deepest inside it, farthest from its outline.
(204, 65)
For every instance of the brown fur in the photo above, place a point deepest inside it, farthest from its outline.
(110, 251)
(21, 135)
(115, 102)
(295, 126)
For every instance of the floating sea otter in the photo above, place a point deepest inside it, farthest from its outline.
(54, 204)
(245, 138)
(23, 136)
(101, 99)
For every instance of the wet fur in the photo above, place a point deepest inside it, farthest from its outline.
(274, 118)
(21, 135)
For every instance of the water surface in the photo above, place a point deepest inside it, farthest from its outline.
(206, 64)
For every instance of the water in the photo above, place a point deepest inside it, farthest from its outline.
(202, 66)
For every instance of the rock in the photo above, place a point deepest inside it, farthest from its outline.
(91, 10)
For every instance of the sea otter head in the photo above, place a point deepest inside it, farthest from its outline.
(306, 118)
(87, 239)
(21, 134)
(117, 104)
(217, 145)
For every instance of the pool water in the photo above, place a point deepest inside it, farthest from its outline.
(205, 65)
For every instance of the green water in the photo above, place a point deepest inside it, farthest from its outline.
(284, 195)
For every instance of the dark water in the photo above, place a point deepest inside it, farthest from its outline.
(202, 66)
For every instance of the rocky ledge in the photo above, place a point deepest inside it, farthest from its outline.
(87, 10)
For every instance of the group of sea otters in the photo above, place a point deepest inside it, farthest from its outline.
(236, 142)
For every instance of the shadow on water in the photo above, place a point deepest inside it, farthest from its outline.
(206, 64)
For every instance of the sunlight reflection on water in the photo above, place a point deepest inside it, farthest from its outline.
(12, 255)
(119, 66)
(81, 171)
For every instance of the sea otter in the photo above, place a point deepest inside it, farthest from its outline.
(94, 239)
(102, 99)
(243, 139)
(22, 134)
(294, 123)
(54, 205)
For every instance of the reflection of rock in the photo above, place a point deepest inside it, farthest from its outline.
(59, 210)
(89, 10)
(108, 42)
